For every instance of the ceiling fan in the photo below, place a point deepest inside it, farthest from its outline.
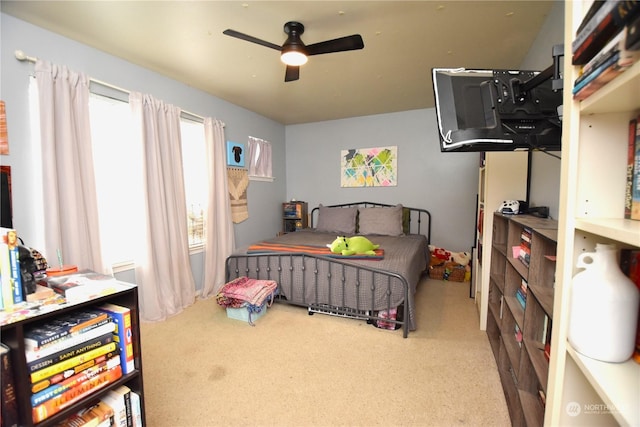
(294, 52)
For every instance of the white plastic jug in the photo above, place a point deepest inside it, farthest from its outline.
(603, 307)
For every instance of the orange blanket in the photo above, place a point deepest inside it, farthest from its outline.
(270, 247)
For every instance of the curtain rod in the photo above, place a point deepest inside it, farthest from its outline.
(21, 56)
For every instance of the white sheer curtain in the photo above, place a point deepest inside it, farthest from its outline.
(71, 214)
(259, 152)
(220, 240)
(163, 269)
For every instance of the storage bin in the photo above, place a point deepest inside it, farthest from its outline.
(242, 313)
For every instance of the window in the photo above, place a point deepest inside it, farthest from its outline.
(259, 158)
(118, 171)
(117, 165)
(196, 183)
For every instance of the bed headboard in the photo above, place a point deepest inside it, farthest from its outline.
(417, 220)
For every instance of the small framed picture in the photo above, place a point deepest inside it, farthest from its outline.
(235, 154)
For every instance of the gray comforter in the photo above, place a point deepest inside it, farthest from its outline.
(326, 281)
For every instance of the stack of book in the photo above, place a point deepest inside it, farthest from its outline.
(70, 357)
(119, 407)
(607, 43)
(524, 253)
(521, 293)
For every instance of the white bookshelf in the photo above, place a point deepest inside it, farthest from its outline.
(583, 391)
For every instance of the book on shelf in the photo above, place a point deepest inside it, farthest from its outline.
(123, 334)
(102, 364)
(123, 393)
(71, 396)
(116, 401)
(524, 252)
(608, 21)
(589, 22)
(70, 324)
(68, 341)
(631, 151)
(68, 373)
(635, 189)
(70, 352)
(136, 408)
(85, 285)
(604, 67)
(94, 416)
(10, 274)
(67, 366)
(522, 298)
(517, 332)
(9, 403)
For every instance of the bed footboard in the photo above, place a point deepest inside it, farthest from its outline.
(330, 286)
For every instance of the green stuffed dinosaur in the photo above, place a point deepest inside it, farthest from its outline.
(356, 245)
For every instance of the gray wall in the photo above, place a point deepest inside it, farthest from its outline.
(545, 170)
(443, 183)
(263, 198)
(446, 184)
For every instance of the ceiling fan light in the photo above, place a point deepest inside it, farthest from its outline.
(294, 58)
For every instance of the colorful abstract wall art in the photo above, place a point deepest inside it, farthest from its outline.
(369, 167)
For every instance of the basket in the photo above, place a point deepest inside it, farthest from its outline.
(448, 271)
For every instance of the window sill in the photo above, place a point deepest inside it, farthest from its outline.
(261, 178)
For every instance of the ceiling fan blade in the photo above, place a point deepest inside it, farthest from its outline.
(292, 73)
(246, 37)
(342, 44)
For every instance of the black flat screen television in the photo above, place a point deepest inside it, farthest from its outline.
(495, 110)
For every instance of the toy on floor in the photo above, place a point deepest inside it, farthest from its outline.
(356, 245)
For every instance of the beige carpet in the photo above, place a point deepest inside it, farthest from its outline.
(204, 369)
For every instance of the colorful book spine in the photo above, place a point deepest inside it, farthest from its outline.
(56, 329)
(16, 275)
(68, 342)
(69, 353)
(58, 378)
(124, 334)
(10, 275)
(635, 194)
(631, 150)
(73, 381)
(69, 397)
(522, 299)
(517, 332)
(69, 364)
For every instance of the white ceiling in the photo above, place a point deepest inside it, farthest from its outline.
(403, 41)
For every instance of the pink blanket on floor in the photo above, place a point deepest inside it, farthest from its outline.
(244, 291)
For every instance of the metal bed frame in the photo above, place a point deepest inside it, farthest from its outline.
(284, 267)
